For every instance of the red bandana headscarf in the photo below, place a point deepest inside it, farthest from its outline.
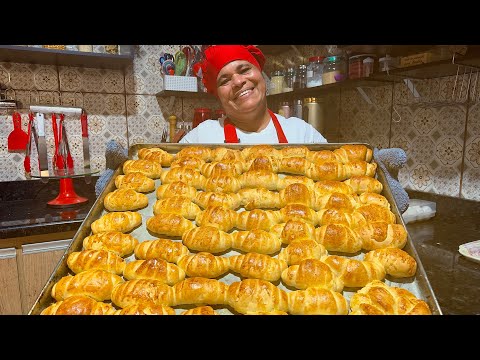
(217, 56)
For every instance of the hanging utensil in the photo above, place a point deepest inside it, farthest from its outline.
(41, 142)
(26, 161)
(86, 149)
(17, 140)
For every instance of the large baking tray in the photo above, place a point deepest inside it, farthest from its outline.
(419, 285)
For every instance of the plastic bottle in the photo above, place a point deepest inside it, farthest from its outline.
(315, 71)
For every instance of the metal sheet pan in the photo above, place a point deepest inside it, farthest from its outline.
(419, 285)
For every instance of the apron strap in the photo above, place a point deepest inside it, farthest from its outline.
(231, 132)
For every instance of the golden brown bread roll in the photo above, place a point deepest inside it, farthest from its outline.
(372, 198)
(256, 240)
(97, 284)
(273, 312)
(251, 152)
(324, 187)
(79, 305)
(207, 238)
(260, 179)
(375, 213)
(122, 221)
(292, 230)
(199, 290)
(169, 224)
(363, 183)
(321, 156)
(294, 151)
(296, 194)
(114, 241)
(297, 212)
(301, 249)
(156, 155)
(397, 263)
(149, 168)
(355, 273)
(252, 198)
(207, 198)
(142, 292)
(317, 301)
(257, 266)
(222, 183)
(154, 269)
(256, 295)
(201, 152)
(378, 235)
(344, 202)
(125, 200)
(293, 165)
(311, 273)
(179, 205)
(216, 168)
(188, 176)
(353, 152)
(257, 219)
(176, 188)
(377, 298)
(295, 179)
(146, 309)
(217, 216)
(224, 154)
(203, 264)
(136, 181)
(359, 168)
(166, 249)
(188, 162)
(336, 216)
(333, 170)
(200, 310)
(79, 261)
(263, 163)
(339, 238)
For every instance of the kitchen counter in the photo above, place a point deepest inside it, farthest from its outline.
(454, 279)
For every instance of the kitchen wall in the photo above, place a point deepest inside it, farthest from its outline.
(442, 141)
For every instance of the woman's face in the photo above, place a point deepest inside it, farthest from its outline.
(241, 88)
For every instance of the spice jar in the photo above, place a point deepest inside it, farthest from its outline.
(277, 82)
(334, 69)
(200, 115)
(300, 77)
(289, 79)
(314, 71)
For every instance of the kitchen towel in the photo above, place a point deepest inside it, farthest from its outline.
(115, 154)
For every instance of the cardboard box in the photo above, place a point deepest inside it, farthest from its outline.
(180, 83)
(416, 59)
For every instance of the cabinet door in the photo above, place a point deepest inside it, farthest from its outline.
(10, 299)
(38, 263)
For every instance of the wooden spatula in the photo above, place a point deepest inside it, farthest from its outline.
(17, 140)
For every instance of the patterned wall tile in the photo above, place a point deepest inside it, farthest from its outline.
(91, 80)
(28, 76)
(471, 172)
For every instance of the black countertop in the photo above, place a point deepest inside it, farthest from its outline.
(454, 279)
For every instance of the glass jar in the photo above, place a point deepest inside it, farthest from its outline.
(289, 79)
(200, 115)
(334, 69)
(277, 82)
(315, 71)
(300, 77)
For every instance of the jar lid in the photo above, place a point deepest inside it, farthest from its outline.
(368, 60)
(333, 59)
(277, 73)
(316, 58)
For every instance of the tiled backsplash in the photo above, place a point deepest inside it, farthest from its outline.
(442, 141)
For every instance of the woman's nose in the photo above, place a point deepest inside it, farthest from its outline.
(238, 79)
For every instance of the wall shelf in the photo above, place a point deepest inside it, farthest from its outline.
(31, 55)
(183, 94)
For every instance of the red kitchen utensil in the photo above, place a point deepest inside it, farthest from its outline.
(17, 140)
(26, 161)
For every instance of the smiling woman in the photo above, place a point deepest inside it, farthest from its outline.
(233, 73)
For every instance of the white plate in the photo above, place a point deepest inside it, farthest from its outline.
(471, 250)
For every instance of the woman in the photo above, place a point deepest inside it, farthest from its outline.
(233, 73)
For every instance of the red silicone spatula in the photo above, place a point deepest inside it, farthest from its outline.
(17, 140)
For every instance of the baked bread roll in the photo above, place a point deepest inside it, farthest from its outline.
(302, 249)
(378, 235)
(375, 213)
(273, 312)
(359, 168)
(327, 171)
(217, 168)
(339, 217)
(149, 168)
(355, 273)
(142, 292)
(339, 238)
(372, 198)
(251, 152)
(294, 151)
(377, 298)
(168, 250)
(257, 266)
(222, 183)
(188, 162)
(325, 187)
(292, 230)
(114, 241)
(297, 212)
(256, 240)
(397, 263)
(97, 284)
(353, 152)
(79, 261)
(207, 238)
(229, 200)
(200, 310)
(253, 198)
(201, 152)
(311, 273)
(156, 155)
(317, 301)
(179, 205)
(294, 165)
(122, 221)
(296, 194)
(321, 156)
(154, 269)
(362, 183)
(295, 179)
(344, 202)
(217, 216)
(260, 179)
(257, 219)
(124, 200)
(256, 295)
(203, 264)
(169, 224)
(135, 181)
(176, 188)
(79, 305)
(225, 154)
(188, 176)
(200, 291)
(263, 163)
(146, 309)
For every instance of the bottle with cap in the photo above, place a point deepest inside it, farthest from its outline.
(314, 71)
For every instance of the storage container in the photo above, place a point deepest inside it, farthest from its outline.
(334, 69)
(180, 83)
